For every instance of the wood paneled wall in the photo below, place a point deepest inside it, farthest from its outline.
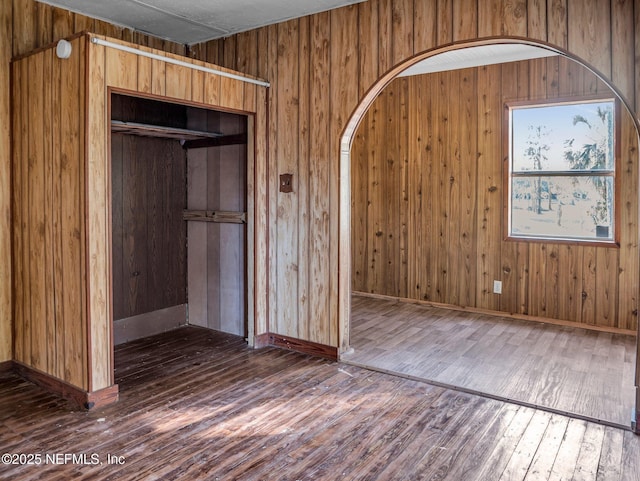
(149, 234)
(428, 155)
(62, 206)
(26, 25)
(148, 197)
(217, 180)
(48, 223)
(5, 184)
(320, 68)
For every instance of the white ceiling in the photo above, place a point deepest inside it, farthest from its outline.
(194, 21)
(477, 56)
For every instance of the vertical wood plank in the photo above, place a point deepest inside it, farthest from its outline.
(374, 193)
(414, 193)
(19, 152)
(121, 69)
(402, 28)
(557, 22)
(83, 23)
(425, 21)
(444, 27)
(232, 197)
(628, 279)
(287, 162)
(197, 190)
(468, 175)
(36, 213)
(368, 58)
(305, 281)
(622, 48)
(253, 285)
(72, 329)
(63, 23)
(97, 180)
(24, 26)
(636, 77)
(359, 208)
(589, 32)
(44, 23)
(490, 15)
(569, 276)
(232, 93)
(57, 245)
(510, 250)
(427, 173)
(272, 70)
(144, 70)
(489, 186)
(436, 200)
(588, 294)
(344, 45)
(453, 190)
(515, 18)
(537, 19)
(391, 178)
(49, 211)
(261, 191)
(403, 160)
(178, 82)
(117, 224)
(158, 77)
(248, 63)
(6, 120)
(385, 35)
(465, 19)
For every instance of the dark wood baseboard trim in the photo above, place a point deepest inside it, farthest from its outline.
(305, 347)
(507, 315)
(149, 324)
(6, 366)
(261, 341)
(84, 399)
(102, 397)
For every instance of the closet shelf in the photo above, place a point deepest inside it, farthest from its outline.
(147, 130)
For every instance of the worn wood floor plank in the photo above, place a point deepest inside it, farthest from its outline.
(196, 404)
(520, 461)
(542, 464)
(585, 373)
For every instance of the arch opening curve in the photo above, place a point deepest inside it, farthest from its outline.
(346, 141)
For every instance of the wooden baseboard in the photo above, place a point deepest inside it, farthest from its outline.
(305, 347)
(84, 399)
(261, 341)
(6, 366)
(149, 324)
(507, 315)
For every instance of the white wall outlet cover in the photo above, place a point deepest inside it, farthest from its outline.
(497, 287)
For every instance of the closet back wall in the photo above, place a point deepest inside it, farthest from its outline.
(149, 235)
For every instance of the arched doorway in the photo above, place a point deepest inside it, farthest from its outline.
(345, 153)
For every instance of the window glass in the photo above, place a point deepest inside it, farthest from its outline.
(562, 170)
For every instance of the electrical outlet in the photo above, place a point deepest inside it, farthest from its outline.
(497, 287)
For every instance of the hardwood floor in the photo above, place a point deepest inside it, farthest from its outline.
(586, 373)
(196, 404)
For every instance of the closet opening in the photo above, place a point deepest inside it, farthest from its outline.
(178, 217)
